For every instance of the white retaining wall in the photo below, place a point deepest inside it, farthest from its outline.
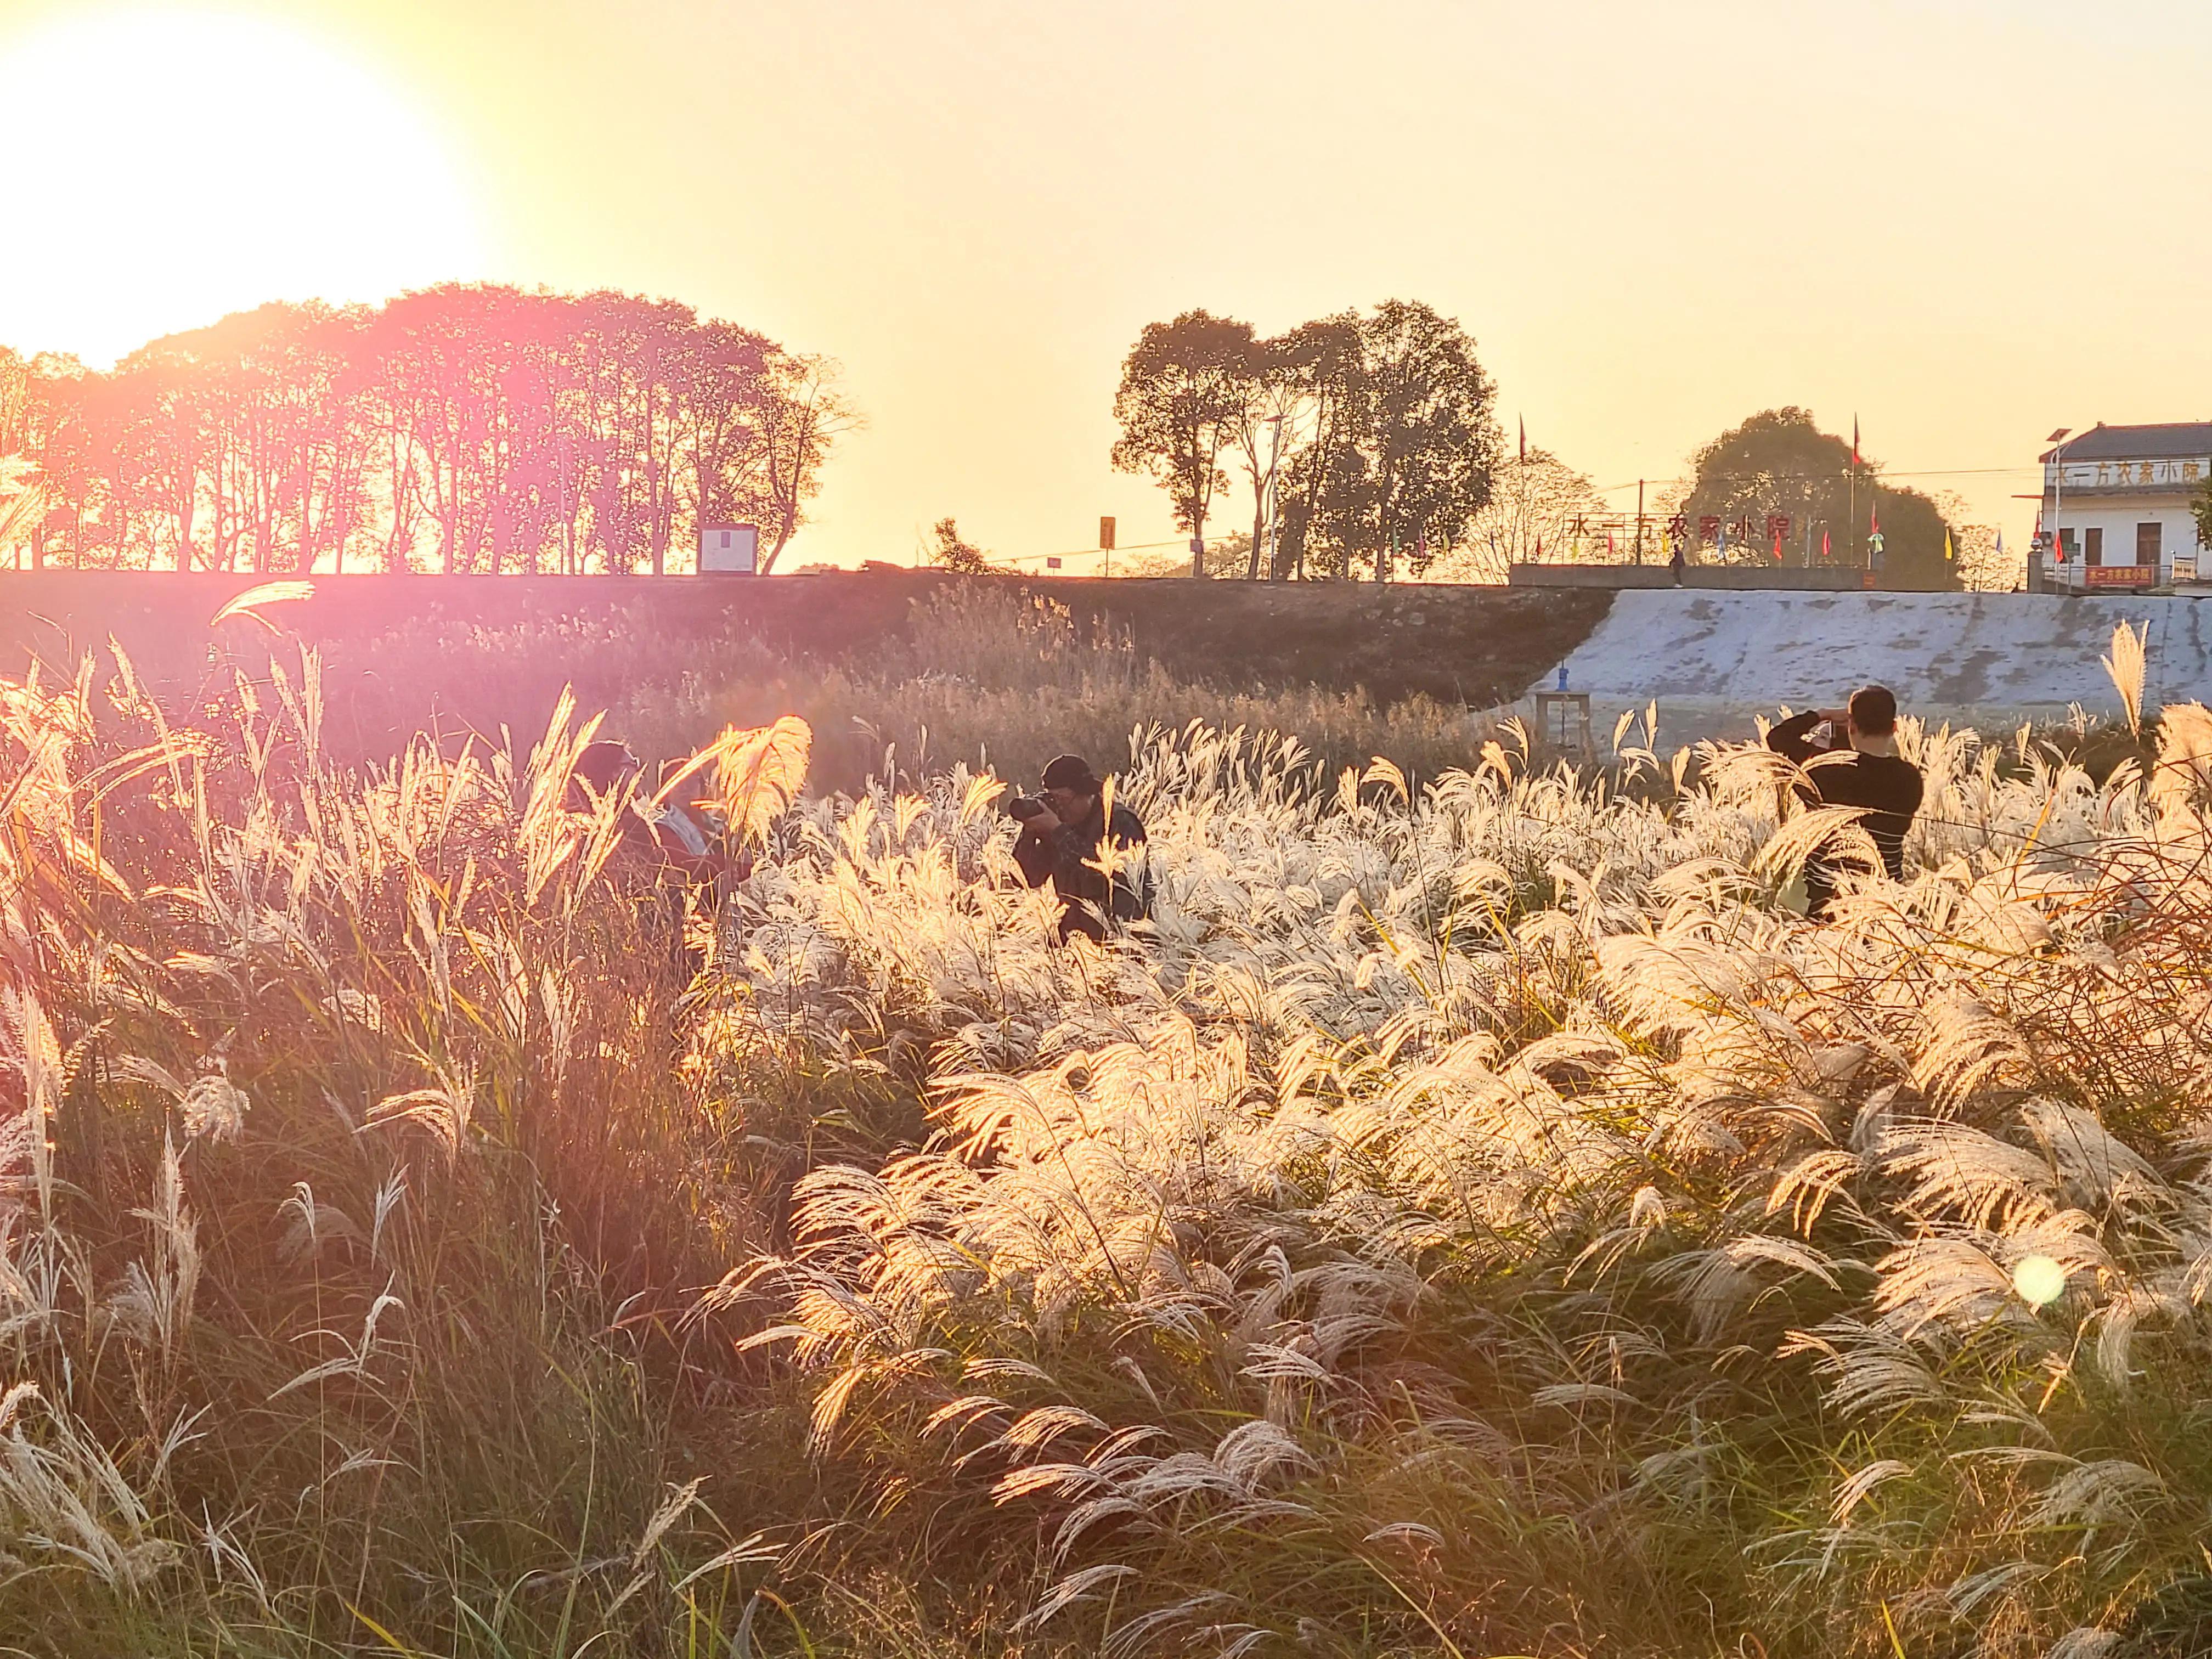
(1712, 659)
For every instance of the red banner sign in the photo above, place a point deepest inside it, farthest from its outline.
(2121, 576)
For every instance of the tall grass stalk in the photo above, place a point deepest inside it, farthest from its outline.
(1472, 1215)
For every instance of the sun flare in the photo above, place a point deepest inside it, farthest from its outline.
(188, 164)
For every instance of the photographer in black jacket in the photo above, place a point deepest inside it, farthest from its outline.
(1857, 766)
(1063, 827)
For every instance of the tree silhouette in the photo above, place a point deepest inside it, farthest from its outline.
(953, 551)
(1184, 392)
(1272, 398)
(1321, 361)
(1779, 464)
(1405, 441)
(1534, 499)
(469, 427)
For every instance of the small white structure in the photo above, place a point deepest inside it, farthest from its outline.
(729, 550)
(2116, 507)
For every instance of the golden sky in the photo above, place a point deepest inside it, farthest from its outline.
(1968, 221)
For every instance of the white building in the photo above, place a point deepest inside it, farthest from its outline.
(2116, 507)
(733, 549)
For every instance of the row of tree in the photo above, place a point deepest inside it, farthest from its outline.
(1368, 444)
(477, 428)
(469, 428)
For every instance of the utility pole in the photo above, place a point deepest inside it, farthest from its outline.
(1639, 521)
(2058, 494)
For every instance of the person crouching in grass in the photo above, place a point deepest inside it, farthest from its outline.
(683, 856)
(1065, 829)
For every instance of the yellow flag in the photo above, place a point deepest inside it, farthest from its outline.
(1949, 557)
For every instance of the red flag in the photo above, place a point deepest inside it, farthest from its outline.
(1777, 547)
(1855, 443)
(1824, 543)
(1524, 443)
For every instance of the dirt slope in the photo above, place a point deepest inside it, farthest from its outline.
(1472, 644)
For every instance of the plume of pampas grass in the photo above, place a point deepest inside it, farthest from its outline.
(2126, 664)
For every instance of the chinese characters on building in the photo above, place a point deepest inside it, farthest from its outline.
(1662, 530)
(1779, 535)
(2171, 474)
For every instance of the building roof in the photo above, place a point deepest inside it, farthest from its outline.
(2136, 443)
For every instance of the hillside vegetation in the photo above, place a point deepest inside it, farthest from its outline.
(473, 652)
(1471, 1219)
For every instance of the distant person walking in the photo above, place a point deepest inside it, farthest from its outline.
(1857, 765)
(1674, 561)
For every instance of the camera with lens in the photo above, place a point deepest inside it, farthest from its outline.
(1025, 807)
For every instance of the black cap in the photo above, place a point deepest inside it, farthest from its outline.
(1070, 772)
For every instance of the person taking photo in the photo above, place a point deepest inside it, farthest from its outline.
(1855, 763)
(1065, 828)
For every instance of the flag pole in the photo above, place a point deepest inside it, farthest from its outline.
(1850, 514)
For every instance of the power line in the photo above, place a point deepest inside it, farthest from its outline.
(1612, 489)
(1096, 552)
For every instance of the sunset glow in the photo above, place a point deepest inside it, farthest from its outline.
(1020, 828)
(192, 164)
(1653, 224)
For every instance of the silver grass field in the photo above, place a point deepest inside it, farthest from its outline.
(1472, 1216)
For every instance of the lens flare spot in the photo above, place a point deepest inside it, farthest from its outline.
(2039, 1281)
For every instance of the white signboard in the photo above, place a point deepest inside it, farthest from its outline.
(729, 550)
(2180, 472)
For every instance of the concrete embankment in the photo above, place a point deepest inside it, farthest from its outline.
(1712, 660)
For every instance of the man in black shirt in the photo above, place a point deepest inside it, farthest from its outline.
(1858, 767)
(1062, 828)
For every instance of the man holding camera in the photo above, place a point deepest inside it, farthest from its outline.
(1857, 765)
(1065, 827)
